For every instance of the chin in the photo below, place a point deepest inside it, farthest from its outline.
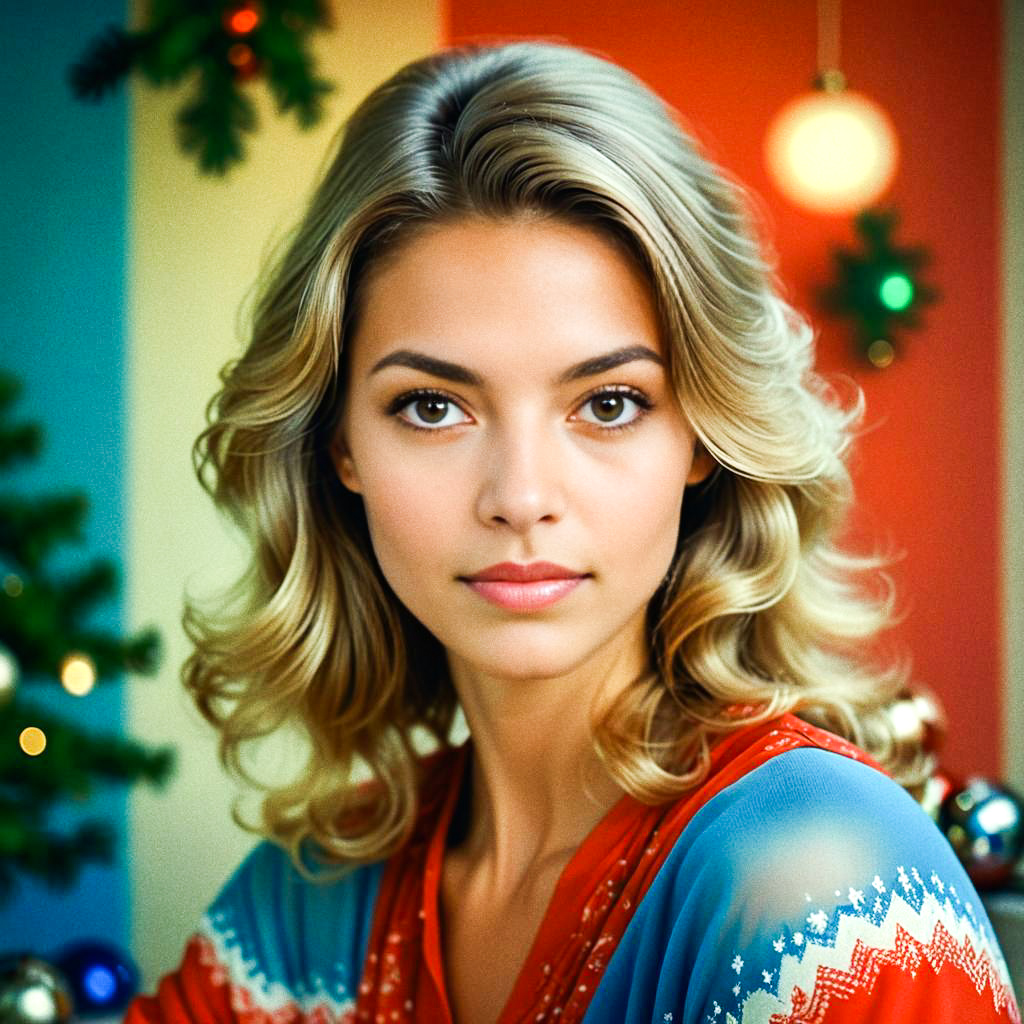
(520, 658)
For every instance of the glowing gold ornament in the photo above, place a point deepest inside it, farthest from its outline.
(78, 674)
(832, 150)
(881, 353)
(13, 585)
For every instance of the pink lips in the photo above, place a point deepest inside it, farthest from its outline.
(525, 587)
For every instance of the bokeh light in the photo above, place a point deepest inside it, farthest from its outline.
(896, 292)
(242, 20)
(32, 741)
(78, 674)
(100, 983)
(240, 55)
(881, 353)
(832, 152)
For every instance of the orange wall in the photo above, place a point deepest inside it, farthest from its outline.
(928, 474)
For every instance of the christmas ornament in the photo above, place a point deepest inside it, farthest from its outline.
(984, 823)
(878, 287)
(102, 979)
(935, 792)
(916, 719)
(833, 150)
(8, 675)
(227, 44)
(32, 991)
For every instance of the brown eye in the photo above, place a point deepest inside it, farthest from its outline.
(431, 410)
(608, 408)
(427, 410)
(617, 408)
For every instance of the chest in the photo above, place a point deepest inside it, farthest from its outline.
(486, 941)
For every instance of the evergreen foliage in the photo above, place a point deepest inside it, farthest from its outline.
(43, 619)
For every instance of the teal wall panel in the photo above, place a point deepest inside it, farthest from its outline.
(63, 187)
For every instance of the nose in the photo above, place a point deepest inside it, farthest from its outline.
(523, 480)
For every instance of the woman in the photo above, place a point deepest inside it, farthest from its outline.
(525, 429)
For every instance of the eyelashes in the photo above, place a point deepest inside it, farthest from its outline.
(445, 403)
(422, 395)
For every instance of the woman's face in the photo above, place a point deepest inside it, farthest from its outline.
(507, 403)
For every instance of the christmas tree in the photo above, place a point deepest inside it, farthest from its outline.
(45, 641)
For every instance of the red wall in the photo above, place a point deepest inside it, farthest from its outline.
(927, 473)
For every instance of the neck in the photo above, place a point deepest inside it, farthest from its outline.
(536, 787)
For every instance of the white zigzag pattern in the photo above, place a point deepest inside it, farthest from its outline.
(802, 971)
(251, 990)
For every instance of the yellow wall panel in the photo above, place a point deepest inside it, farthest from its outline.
(196, 246)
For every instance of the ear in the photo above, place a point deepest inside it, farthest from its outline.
(344, 465)
(702, 466)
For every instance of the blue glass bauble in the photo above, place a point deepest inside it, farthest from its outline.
(984, 823)
(102, 978)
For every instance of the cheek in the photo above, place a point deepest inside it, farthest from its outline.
(409, 520)
(640, 514)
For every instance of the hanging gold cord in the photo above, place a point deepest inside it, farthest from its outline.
(829, 78)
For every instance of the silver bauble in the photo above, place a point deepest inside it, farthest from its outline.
(32, 991)
(984, 823)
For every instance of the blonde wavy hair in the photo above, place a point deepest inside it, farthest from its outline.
(760, 613)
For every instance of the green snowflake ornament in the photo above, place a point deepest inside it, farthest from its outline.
(878, 287)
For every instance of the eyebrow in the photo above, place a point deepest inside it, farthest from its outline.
(463, 375)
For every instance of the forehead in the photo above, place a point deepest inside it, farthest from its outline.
(538, 293)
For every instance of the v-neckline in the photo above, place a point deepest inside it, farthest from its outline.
(573, 872)
(593, 902)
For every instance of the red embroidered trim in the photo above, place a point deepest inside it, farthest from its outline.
(908, 954)
(242, 1000)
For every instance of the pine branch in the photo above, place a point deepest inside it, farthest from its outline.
(40, 632)
(23, 440)
(40, 623)
(56, 859)
(59, 859)
(290, 73)
(299, 92)
(19, 444)
(175, 46)
(30, 528)
(857, 290)
(31, 627)
(10, 391)
(211, 124)
(186, 35)
(82, 591)
(113, 655)
(72, 761)
(108, 59)
(142, 652)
